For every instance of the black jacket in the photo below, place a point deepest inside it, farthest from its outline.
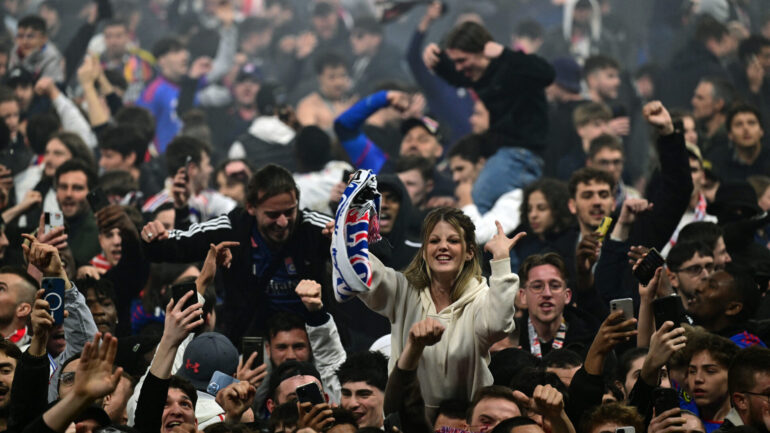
(246, 304)
(29, 393)
(513, 91)
(670, 192)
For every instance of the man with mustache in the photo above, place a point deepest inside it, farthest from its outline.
(279, 246)
(689, 265)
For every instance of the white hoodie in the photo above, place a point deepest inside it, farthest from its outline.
(456, 366)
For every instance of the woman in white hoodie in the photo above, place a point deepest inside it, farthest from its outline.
(444, 282)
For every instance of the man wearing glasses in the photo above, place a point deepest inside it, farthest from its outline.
(690, 264)
(549, 322)
(33, 51)
(748, 382)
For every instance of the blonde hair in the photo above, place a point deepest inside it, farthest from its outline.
(418, 273)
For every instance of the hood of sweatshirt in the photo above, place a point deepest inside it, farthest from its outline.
(472, 290)
(271, 130)
(568, 19)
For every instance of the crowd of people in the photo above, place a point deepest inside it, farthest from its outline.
(517, 216)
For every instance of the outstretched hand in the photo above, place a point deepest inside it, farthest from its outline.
(500, 245)
(94, 377)
(430, 55)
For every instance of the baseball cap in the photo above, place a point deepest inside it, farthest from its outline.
(249, 71)
(430, 125)
(207, 353)
(19, 76)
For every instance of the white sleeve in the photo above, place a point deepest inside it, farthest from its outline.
(328, 355)
(507, 210)
(72, 120)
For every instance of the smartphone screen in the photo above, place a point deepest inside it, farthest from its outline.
(250, 345)
(310, 392)
(667, 308)
(179, 290)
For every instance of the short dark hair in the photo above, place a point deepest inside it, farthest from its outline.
(270, 180)
(40, 128)
(557, 195)
(529, 29)
(180, 148)
(708, 27)
(684, 251)
(313, 148)
(535, 260)
(415, 162)
(322, 9)
(102, 288)
(469, 36)
(34, 22)
(589, 111)
(329, 59)
(289, 369)
(139, 118)
(285, 414)
(283, 321)
(342, 416)
(721, 349)
(10, 350)
(529, 378)
(505, 364)
(118, 182)
(507, 425)
(253, 25)
(77, 165)
(562, 358)
(368, 25)
(612, 412)
(751, 47)
(184, 385)
(116, 22)
(125, 140)
(741, 108)
(704, 231)
(470, 148)
(604, 141)
(627, 360)
(587, 175)
(454, 408)
(27, 278)
(370, 367)
(745, 365)
(492, 391)
(7, 95)
(169, 44)
(599, 62)
(744, 290)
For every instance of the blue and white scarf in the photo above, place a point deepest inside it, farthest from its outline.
(355, 226)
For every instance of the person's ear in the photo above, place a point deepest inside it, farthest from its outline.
(523, 297)
(429, 186)
(571, 206)
(23, 310)
(270, 405)
(733, 308)
(740, 401)
(567, 295)
(131, 158)
(251, 210)
(469, 254)
(673, 277)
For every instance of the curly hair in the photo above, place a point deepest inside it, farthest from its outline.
(612, 413)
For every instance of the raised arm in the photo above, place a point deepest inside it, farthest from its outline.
(184, 246)
(494, 317)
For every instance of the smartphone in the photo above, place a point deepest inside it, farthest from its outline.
(626, 429)
(52, 220)
(650, 263)
(54, 295)
(219, 381)
(97, 199)
(626, 305)
(310, 392)
(250, 345)
(179, 290)
(667, 308)
(664, 399)
(604, 227)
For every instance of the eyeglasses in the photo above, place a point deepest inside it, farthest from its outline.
(696, 270)
(539, 286)
(765, 395)
(67, 378)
